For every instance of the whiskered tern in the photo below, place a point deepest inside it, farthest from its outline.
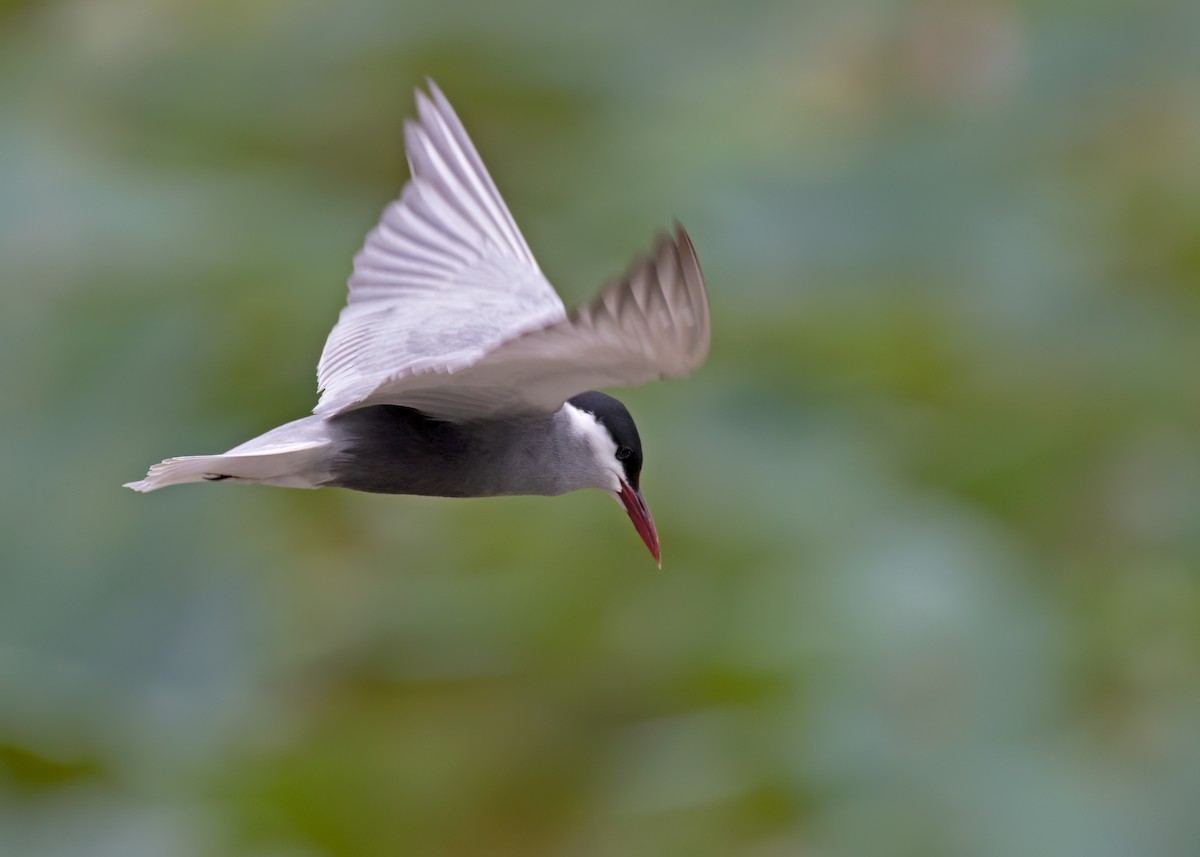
(455, 370)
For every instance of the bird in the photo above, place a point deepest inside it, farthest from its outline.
(454, 369)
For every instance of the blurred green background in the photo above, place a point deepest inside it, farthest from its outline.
(930, 515)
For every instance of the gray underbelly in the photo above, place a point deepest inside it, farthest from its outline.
(388, 449)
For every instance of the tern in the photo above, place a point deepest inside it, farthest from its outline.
(454, 369)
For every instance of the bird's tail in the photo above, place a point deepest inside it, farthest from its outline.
(291, 456)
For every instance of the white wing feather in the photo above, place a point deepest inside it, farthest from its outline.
(444, 277)
(449, 313)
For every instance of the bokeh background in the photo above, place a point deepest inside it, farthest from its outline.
(930, 514)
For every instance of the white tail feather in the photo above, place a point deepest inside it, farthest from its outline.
(290, 465)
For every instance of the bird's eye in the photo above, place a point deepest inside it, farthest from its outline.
(623, 453)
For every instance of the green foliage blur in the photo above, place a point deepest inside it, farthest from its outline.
(930, 515)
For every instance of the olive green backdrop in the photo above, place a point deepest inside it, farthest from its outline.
(930, 514)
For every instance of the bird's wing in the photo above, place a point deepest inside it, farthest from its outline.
(651, 323)
(442, 280)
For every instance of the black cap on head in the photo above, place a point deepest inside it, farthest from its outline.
(615, 417)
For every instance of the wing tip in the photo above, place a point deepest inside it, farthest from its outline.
(429, 90)
(681, 246)
(689, 263)
(435, 94)
(682, 238)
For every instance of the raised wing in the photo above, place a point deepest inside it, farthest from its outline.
(442, 280)
(652, 323)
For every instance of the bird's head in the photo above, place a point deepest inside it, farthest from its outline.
(609, 431)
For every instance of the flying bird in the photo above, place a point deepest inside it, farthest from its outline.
(454, 369)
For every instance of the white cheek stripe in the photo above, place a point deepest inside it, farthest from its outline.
(599, 441)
